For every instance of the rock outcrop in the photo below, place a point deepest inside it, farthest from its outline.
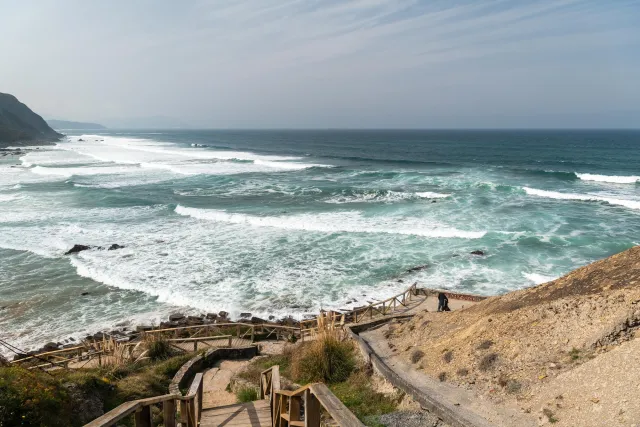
(18, 124)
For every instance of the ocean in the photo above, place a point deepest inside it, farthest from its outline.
(289, 222)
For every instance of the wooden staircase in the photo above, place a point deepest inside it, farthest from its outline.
(310, 406)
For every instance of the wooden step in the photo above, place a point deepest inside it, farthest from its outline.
(253, 414)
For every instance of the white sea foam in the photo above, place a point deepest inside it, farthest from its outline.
(82, 171)
(151, 154)
(538, 279)
(9, 197)
(341, 222)
(608, 178)
(383, 196)
(631, 204)
(432, 195)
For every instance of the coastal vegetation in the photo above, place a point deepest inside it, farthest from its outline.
(334, 361)
(63, 398)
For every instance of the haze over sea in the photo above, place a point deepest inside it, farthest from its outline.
(288, 222)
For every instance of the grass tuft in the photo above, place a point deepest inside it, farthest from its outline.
(488, 362)
(327, 359)
(462, 372)
(485, 345)
(416, 356)
(247, 394)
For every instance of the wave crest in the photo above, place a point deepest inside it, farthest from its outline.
(340, 222)
(608, 178)
(631, 204)
(382, 196)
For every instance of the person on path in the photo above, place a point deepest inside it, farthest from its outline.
(443, 302)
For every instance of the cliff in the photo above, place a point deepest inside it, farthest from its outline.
(19, 125)
(64, 125)
(572, 342)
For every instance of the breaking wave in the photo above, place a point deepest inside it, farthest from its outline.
(631, 204)
(382, 196)
(609, 178)
(340, 222)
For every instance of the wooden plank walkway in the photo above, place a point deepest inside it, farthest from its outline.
(253, 414)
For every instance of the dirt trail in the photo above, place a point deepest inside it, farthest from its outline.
(496, 415)
(216, 380)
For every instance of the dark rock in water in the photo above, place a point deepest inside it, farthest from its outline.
(176, 317)
(212, 316)
(418, 268)
(272, 317)
(434, 201)
(194, 320)
(400, 281)
(20, 356)
(72, 339)
(257, 320)
(477, 252)
(84, 293)
(99, 336)
(143, 328)
(245, 315)
(288, 321)
(114, 247)
(81, 140)
(77, 248)
(223, 314)
(50, 346)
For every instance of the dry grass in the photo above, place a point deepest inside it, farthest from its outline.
(485, 345)
(488, 362)
(416, 355)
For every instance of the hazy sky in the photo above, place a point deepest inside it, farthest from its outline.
(318, 64)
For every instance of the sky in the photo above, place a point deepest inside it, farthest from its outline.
(326, 63)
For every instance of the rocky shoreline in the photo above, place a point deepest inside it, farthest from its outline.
(124, 332)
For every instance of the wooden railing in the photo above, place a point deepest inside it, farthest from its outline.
(190, 409)
(240, 332)
(304, 406)
(380, 308)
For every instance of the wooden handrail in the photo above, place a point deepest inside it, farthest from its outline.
(302, 407)
(190, 409)
(217, 325)
(362, 311)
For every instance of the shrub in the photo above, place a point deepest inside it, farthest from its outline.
(442, 376)
(32, 398)
(550, 415)
(448, 356)
(513, 387)
(327, 359)
(488, 362)
(357, 394)
(416, 356)
(462, 372)
(574, 353)
(485, 345)
(247, 394)
(158, 349)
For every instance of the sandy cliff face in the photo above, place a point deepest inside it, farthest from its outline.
(525, 345)
(18, 124)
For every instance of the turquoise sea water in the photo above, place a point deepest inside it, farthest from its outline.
(287, 222)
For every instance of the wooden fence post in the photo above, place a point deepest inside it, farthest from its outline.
(311, 410)
(169, 413)
(143, 417)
